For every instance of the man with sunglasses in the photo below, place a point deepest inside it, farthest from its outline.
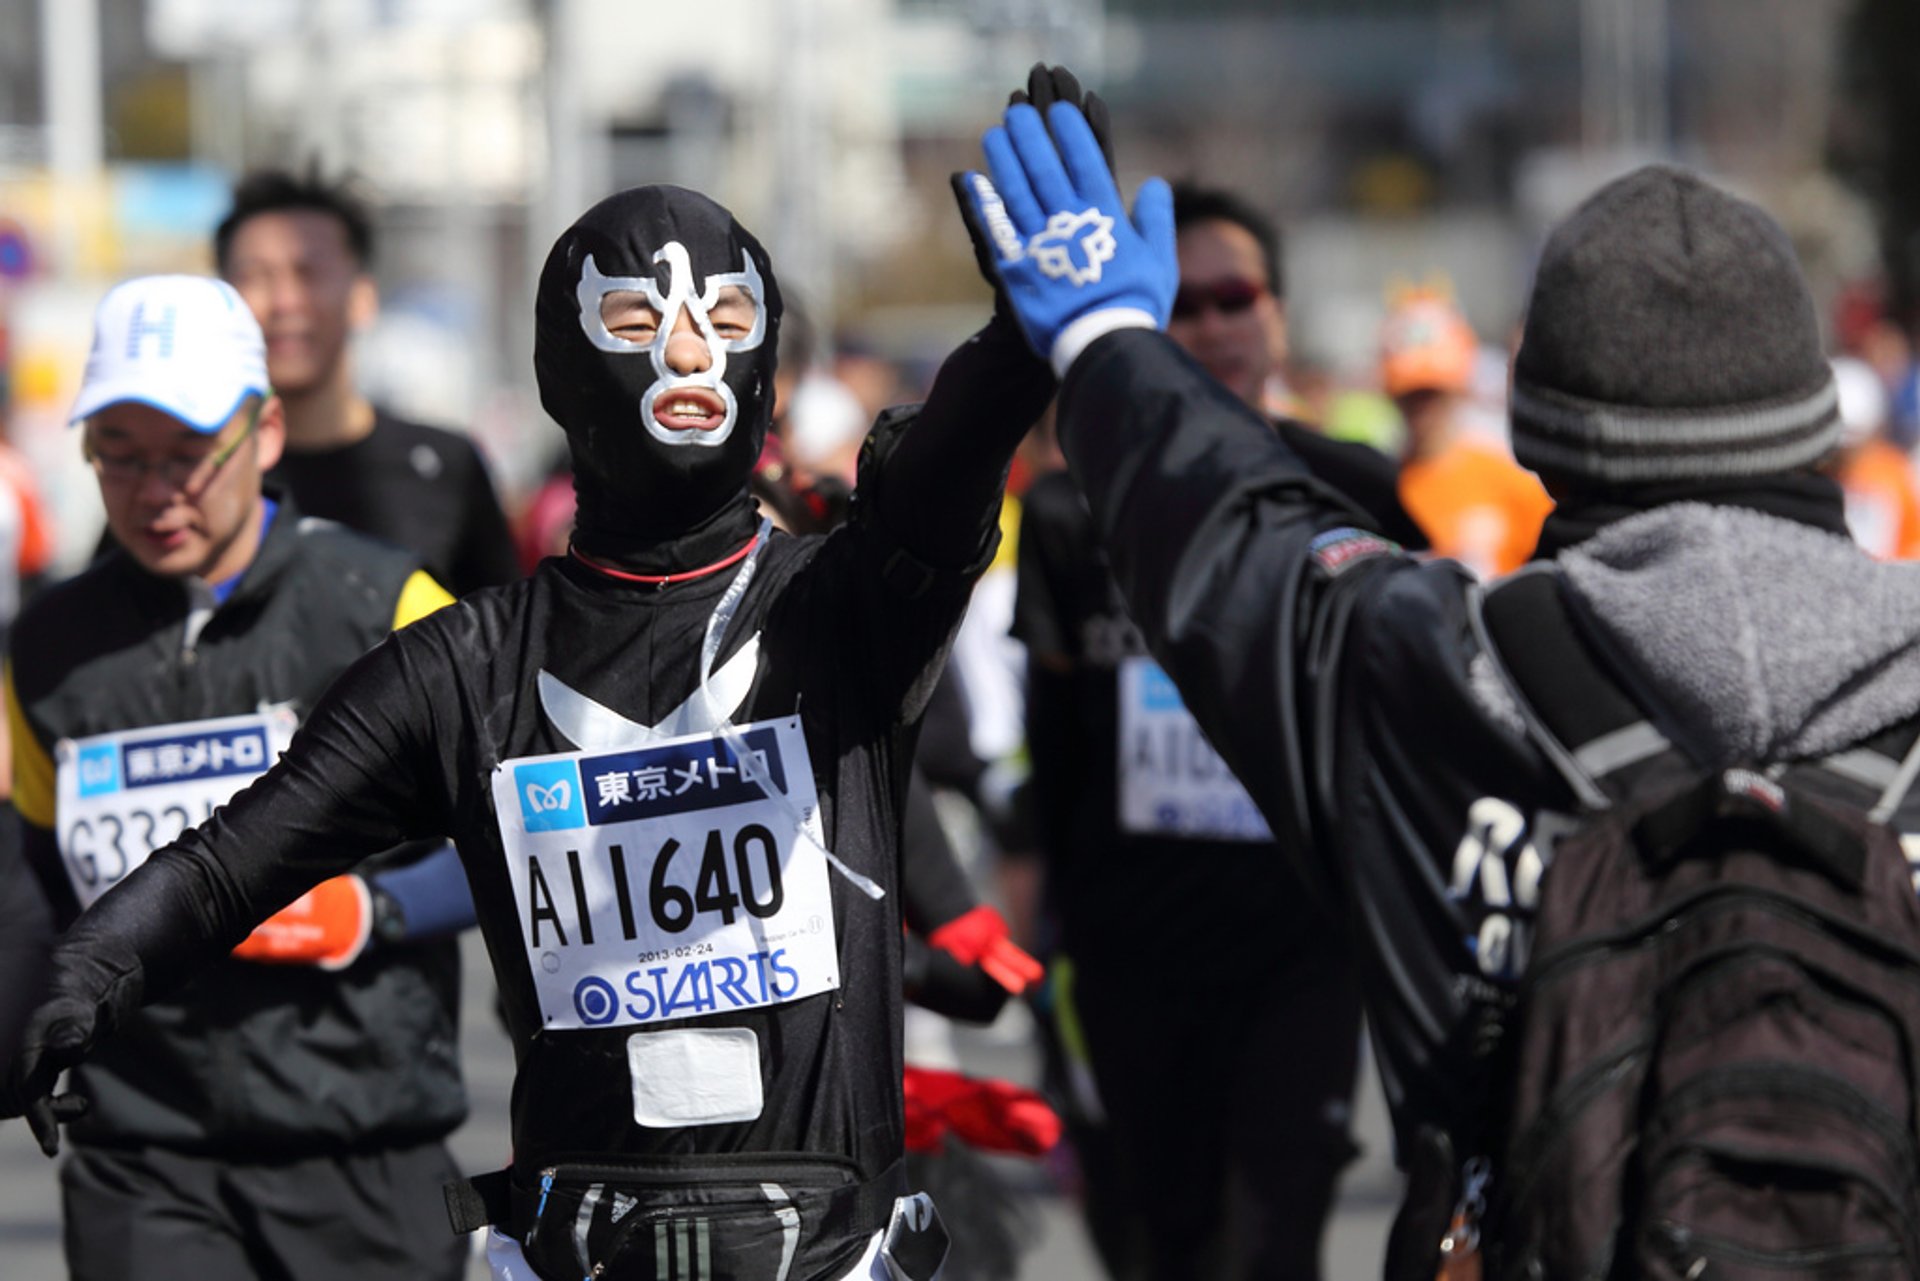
(283, 1115)
(1230, 312)
(1140, 821)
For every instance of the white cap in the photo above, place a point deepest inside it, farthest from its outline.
(1863, 400)
(825, 417)
(186, 345)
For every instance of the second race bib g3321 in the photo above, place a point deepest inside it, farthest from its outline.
(123, 796)
(664, 882)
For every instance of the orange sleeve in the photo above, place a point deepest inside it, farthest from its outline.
(1908, 545)
(36, 539)
(36, 536)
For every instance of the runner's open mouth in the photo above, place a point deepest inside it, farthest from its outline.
(689, 408)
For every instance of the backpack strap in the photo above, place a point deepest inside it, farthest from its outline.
(1898, 786)
(1573, 707)
(1567, 696)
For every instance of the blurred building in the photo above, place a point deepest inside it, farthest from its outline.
(1393, 138)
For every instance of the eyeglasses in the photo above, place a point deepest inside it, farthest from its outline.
(186, 474)
(1229, 297)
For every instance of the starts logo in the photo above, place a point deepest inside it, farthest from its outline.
(549, 794)
(1089, 231)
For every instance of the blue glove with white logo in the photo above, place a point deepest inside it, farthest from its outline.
(1072, 261)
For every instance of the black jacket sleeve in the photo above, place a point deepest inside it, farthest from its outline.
(924, 519)
(946, 746)
(26, 930)
(933, 888)
(1242, 570)
(940, 495)
(1362, 474)
(1056, 749)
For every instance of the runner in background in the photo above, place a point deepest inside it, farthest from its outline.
(300, 251)
(1475, 503)
(1159, 868)
(284, 1115)
(1877, 477)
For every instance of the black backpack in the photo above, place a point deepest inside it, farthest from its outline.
(1713, 1064)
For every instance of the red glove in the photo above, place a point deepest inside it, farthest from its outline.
(995, 1116)
(328, 927)
(979, 937)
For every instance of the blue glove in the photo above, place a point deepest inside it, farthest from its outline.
(1073, 263)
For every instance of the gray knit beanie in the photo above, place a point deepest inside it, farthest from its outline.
(1670, 337)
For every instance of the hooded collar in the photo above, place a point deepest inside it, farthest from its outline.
(1762, 638)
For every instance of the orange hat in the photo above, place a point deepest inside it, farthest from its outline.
(1426, 345)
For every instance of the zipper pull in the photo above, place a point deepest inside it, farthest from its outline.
(539, 1211)
(1460, 1247)
(546, 1186)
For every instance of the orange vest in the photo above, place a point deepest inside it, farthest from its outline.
(1476, 505)
(1883, 512)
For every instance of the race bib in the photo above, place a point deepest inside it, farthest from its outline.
(123, 796)
(662, 883)
(1172, 782)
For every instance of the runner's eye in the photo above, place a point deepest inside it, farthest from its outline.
(733, 315)
(630, 317)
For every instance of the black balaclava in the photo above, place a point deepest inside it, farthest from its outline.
(655, 497)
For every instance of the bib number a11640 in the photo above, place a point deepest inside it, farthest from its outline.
(122, 796)
(664, 882)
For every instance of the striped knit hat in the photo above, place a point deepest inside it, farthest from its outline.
(1670, 337)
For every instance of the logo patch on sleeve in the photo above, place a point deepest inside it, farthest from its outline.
(1338, 550)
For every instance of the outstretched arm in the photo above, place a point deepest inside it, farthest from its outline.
(940, 487)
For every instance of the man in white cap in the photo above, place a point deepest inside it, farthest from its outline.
(283, 1114)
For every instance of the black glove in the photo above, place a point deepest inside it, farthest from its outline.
(1045, 86)
(1048, 85)
(58, 1035)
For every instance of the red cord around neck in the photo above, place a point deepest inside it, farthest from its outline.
(662, 580)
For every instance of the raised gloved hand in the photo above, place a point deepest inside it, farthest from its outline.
(1045, 86)
(979, 937)
(328, 927)
(1073, 263)
(59, 1033)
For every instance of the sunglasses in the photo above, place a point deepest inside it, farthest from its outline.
(1229, 297)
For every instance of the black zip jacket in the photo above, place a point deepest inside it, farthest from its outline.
(1354, 692)
(249, 1061)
